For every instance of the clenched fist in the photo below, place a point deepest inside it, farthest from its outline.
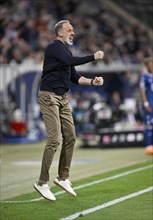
(97, 81)
(99, 55)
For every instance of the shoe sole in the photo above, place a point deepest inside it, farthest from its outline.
(64, 188)
(43, 195)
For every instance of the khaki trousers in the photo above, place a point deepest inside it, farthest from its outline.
(58, 120)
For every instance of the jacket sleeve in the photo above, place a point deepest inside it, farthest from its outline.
(74, 75)
(62, 53)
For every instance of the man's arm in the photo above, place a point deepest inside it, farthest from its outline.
(81, 80)
(97, 81)
(61, 53)
(143, 94)
(145, 101)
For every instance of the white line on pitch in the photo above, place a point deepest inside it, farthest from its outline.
(107, 204)
(86, 184)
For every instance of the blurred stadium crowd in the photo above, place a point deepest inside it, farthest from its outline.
(27, 28)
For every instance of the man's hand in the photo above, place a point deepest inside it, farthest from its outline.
(148, 109)
(99, 55)
(97, 81)
(147, 106)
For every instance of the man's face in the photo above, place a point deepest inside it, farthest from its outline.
(67, 33)
(150, 66)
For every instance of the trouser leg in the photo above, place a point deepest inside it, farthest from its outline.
(69, 136)
(51, 118)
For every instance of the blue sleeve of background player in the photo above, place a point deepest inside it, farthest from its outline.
(142, 83)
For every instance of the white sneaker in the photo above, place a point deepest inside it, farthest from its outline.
(45, 191)
(66, 185)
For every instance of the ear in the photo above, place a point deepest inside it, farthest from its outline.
(60, 34)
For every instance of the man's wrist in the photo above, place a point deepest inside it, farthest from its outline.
(146, 103)
(91, 83)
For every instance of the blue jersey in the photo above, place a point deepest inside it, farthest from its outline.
(146, 84)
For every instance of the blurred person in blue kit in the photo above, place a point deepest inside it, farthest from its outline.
(58, 73)
(146, 93)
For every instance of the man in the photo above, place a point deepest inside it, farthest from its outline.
(58, 72)
(146, 92)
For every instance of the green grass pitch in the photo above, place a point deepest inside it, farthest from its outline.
(91, 192)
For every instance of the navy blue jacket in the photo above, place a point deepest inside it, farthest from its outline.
(58, 68)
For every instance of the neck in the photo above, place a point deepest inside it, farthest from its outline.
(60, 39)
